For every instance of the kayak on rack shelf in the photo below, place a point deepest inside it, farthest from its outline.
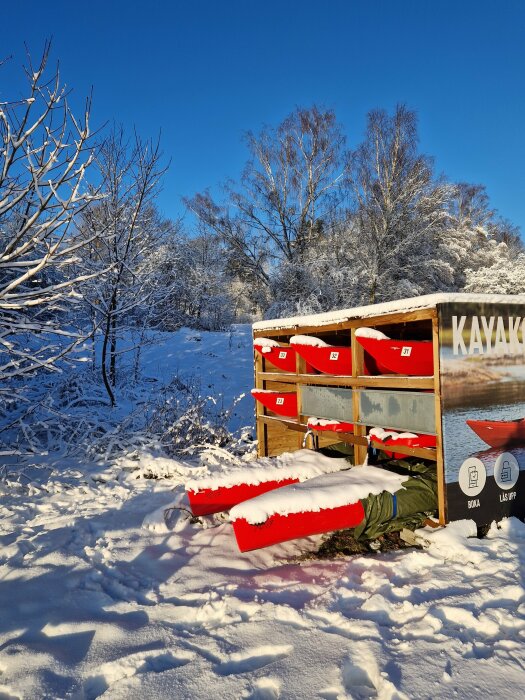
(280, 356)
(412, 357)
(499, 433)
(222, 491)
(391, 437)
(334, 426)
(331, 359)
(282, 402)
(323, 504)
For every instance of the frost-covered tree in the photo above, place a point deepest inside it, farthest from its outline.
(293, 180)
(124, 226)
(399, 210)
(44, 153)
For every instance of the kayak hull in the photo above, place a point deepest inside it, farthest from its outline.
(283, 358)
(418, 441)
(284, 403)
(329, 359)
(335, 427)
(411, 357)
(209, 501)
(280, 528)
(499, 433)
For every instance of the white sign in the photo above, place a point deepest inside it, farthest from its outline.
(282, 354)
(279, 401)
(334, 355)
(488, 336)
(406, 351)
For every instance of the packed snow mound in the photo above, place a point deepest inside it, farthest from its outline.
(308, 340)
(371, 333)
(327, 491)
(301, 465)
(265, 345)
(381, 434)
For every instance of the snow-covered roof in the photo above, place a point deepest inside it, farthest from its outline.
(400, 305)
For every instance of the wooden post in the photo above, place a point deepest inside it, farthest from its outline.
(440, 465)
(358, 368)
(260, 426)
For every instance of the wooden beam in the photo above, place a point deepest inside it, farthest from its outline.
(348, 324)
(384, 381)
(440, 464)
(358, 369)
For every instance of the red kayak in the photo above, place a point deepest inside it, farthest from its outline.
(280, 356)
(499, 433)
(282, 402)
(334, 426)
(208, 501)
(412, 357)
(280, 528)
(329, 359)
(394, 439)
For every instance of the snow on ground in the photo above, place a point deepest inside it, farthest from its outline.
(109, 589)
(107, 593)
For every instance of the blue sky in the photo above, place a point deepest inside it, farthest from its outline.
(204, 72)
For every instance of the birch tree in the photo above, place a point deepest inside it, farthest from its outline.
(45, 151)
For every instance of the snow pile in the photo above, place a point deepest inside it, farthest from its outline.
(265, 345)
(301, 465)
(308, 340)
(327, 491)
(371, 333)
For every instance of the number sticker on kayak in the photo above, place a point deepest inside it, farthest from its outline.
(334, 355)
(279, 401)
(406, 351)
(282, 355)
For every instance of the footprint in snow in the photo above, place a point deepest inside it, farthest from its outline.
(265, 689)
(132, 665)
(253, 659)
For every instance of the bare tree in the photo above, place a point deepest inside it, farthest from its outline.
(123, 227)
(44, 154)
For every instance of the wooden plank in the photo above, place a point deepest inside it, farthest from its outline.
(358, 369)
(260, 427)
(348, 324)
(440, 465)
(384, 381)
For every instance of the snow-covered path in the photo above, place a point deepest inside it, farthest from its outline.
(94, 603)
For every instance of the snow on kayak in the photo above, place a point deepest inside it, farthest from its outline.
(329, 359)
(282, 402)
(280, 356)
(411, 357)
(222, 492)
(334, 426)
(325, 503)
(499, 433)
(401, 439)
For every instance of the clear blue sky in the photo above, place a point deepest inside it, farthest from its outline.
(204, 72)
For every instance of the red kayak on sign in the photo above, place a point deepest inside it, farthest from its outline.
(499, 433)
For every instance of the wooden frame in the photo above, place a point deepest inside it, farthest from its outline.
(277, 434)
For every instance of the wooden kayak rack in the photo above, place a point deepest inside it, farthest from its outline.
(419, 398)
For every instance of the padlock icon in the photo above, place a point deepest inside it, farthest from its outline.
(506, 472)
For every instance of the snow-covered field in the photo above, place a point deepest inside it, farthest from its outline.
(109, 589)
